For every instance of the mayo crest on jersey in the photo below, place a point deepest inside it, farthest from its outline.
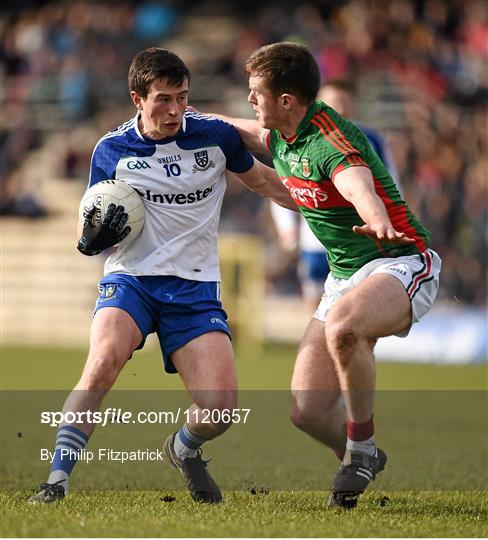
(182, 182)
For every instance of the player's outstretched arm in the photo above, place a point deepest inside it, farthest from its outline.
(356, 185)
(264, 181)
(253, 136)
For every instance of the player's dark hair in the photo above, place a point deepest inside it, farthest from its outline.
(286, 68)
(155, 63)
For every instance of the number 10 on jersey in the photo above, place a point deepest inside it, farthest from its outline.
(172, 169)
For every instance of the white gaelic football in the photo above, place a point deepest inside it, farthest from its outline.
(117, 192)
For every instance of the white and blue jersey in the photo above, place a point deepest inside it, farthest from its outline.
(167, 278)
(182, 183)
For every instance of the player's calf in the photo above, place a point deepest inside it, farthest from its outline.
(322, 418)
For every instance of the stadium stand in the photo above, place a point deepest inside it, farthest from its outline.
(421, 69)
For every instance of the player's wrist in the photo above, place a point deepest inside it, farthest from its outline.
(88, 253)
(83, 248)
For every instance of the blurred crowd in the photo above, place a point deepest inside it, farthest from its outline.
(420, 66)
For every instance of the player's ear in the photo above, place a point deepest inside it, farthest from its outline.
(287, 101)
(136, 99)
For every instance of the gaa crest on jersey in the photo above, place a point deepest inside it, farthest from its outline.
(306, 172)
(202, 161)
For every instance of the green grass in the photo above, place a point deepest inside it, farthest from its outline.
(268, 369)
(431, 419)
(277, 514)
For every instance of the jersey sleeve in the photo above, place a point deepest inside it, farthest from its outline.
(339, 158)
(337, 149)
(103, 162)
(238, 159)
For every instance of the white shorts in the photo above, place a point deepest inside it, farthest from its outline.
(419, 275)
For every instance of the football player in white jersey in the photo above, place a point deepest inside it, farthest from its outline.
(167, 280)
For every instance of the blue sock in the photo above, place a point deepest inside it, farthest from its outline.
(187, 443)
(70, 441)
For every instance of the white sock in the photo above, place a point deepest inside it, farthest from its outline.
(367, 447)
(187, 443)
(181, 450)
(55, 476)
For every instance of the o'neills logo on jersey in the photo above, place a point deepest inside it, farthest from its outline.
(305, 193)
(176, 198)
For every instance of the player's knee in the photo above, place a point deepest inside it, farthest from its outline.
(342, 334)
(218, 405)
(226, 404)
(309, 417)
(303, 418)
(101, 371)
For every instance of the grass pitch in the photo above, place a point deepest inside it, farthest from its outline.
(277, 514)
(431, 419)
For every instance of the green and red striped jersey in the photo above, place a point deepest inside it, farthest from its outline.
(325, 144)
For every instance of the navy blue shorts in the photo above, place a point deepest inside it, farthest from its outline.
(177, 309)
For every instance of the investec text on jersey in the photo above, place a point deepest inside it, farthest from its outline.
(178, 198)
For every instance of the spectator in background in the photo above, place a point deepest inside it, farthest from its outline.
(424, 65)
(55, 59)
(292, 229)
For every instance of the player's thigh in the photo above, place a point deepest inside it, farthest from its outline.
(314, 386)
(379, 306)
(114, 336)
(207, 369)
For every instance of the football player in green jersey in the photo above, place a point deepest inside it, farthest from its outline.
(383, 276)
